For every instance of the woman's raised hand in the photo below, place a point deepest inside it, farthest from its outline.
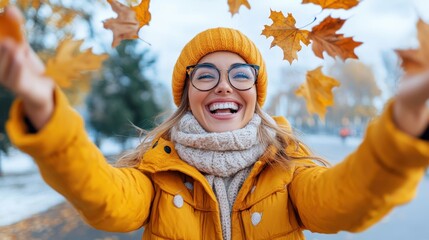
(22, 72)
(410, 112)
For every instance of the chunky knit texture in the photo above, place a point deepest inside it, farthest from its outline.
(214, 40)
(224, 157)
(221, 154)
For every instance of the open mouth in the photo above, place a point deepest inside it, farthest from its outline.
(221, 108)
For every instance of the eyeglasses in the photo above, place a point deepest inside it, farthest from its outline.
(206, 76)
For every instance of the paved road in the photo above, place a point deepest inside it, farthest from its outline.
(61, 222)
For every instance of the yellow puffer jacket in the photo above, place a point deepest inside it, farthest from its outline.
(172, 200)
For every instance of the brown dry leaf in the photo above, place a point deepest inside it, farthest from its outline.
(11, 27)
(334, 4)
(286, 35)
(3, 3)
(70, 63)
(417, 60)
(234, 5)
(325, 38)
(142, 13)
(317, 91)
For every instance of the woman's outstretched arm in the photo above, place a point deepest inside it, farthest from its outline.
(109, 198)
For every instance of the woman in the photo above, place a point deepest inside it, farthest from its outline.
(219, 167)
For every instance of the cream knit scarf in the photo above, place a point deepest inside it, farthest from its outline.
(224, 157)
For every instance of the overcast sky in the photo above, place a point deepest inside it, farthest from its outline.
(380, 25)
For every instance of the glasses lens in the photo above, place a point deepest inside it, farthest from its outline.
(204, 77)
(242, 77)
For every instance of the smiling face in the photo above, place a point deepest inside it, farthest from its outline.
(223, 108)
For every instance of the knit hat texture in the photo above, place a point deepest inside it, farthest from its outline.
(214, 40)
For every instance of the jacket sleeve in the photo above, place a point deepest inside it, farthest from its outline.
(382, 173)
(112, 199)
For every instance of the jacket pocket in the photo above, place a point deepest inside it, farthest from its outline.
(270, 218)
(174, 218)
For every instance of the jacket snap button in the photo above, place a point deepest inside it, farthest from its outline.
(256, 218)
(178, 201)
(167, 149)
(189, 185)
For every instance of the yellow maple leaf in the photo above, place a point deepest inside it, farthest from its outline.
(286, 35)
(142, 13)
(3, 3)
(317, 91)
(234, 5)
(334, 4)
(70, 63)
(417, 60)
(325, 38)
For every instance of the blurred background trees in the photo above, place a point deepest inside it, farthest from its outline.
(6, 99)
(123, 96)
(48, 22)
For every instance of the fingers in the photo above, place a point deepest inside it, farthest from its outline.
(14, 13)
(414, 89)
(11, 57)
(15, 70)
(5, 59)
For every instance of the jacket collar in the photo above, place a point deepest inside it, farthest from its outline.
(163, 157)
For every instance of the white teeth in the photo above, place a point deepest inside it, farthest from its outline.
(224, 105)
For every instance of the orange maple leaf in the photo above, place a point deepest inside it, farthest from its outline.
(417, 60)
(317, 91)
(142, 13)
(70, 63)
(286, 35)
(11, 26)
(325, 38)
(234, 5)
(334, 4)
(125, 25)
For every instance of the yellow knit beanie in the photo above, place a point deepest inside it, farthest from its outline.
(213, 40)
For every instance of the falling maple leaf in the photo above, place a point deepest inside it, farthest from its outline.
(70, 63)
(417, 60)
(10, 26)
(286, 35)
(325, 38)
(334, 4)
(234, 5)
(317, 91)
(142, 13)
(128, 22)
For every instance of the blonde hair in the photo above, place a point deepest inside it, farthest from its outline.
(284, 138)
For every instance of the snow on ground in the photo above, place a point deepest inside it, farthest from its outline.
(22, 190)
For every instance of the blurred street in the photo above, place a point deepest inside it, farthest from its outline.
(23, 192)
(60, 222)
